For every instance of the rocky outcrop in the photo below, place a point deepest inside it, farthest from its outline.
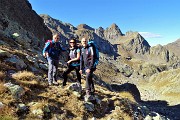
(16, 90)
(161, 55)
(16, 61)
(18, 17)
(174, 47)
(100, 32)
(135, 43)
(113, 32)
(84, 26)
(56, 26)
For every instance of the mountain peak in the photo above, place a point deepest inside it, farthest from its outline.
(114, 25)
(84, 26)
(45, 15)
(113, 32)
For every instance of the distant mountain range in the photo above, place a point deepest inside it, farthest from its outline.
(112, 41)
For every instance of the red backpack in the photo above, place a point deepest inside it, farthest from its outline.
(47, 42)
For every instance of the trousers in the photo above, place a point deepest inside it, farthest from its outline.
(52, 70)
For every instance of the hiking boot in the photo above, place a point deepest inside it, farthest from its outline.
(62, 85)
(55, 83)
(50, 84)
(89, 98)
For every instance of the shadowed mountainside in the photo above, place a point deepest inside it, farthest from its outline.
(17, 16)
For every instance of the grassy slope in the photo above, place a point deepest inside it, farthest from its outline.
(163, 86)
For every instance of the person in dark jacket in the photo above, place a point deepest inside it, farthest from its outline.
(73, 61)
(52, 52)
(87, 64)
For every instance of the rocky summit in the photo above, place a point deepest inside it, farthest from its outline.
(133, 81)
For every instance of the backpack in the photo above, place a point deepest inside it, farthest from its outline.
(47, 42)
(51, 45)
(75, 55)
(96, 52)
(75, 51)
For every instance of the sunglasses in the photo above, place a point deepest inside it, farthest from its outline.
(56, 38)
(71, 42)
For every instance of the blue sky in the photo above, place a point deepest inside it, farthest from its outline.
(158, 21)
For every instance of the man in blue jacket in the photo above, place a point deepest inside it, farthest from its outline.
(52, 52)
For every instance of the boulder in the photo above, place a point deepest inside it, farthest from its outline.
(75, 87)
(16, 90)
(89, 106)
(154, 116)
(15, 60)
(39, 109)
(22, 108)
(126, 70)
(31, 59)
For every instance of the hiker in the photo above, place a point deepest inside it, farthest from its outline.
(73, 62)
(52, 52)
(87, 64)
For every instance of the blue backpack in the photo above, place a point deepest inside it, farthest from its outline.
(96, 52)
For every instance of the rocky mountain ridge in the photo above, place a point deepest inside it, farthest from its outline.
(112, 41)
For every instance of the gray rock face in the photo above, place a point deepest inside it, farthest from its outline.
(13, 19)
(15, 60)
(137, 44)
(18, 11)
(100, 32)
(161, 55)
(16, 90)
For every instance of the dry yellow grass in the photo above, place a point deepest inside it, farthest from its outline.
(4, 66)
(40, 104)
(7, 117)
(14, 51)
(2, 75)
(5, 95)
(166, 85)
(127, 95)
(2, 88)
(7, 110)
(165, 78)
(24, 76)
